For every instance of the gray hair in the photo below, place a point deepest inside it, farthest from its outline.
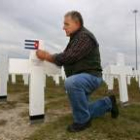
(75, 15)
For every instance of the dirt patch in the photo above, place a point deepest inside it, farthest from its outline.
(14, 126)
(14, 117)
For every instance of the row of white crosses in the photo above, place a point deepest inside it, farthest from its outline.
(25, 78)
(136, 75)
(56, 77)
(121, 72)
(37, 70)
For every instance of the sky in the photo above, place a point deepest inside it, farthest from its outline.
(111, 21)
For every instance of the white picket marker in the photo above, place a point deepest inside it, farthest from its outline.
(37, 70)
(63, 73)
(36, 89)
(122, 71)
(13, 78)
(56, 79)
(26, 79)
(108, 78)
(105, 75)
(110, 82)
(135, 75)
(139, 76)
(128, 78)
(3, 76)
(53, 71)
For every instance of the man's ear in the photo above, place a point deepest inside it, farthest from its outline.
(78, 24)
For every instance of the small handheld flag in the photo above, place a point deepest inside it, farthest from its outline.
(32, 44)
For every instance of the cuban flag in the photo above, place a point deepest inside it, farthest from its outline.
(32, 44)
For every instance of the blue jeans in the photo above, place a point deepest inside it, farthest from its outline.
(78, 88)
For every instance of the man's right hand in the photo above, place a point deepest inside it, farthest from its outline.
(44, 55)
(41, 54)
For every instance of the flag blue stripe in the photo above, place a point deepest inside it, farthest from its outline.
(31, 48)
(31, 40)
(29, 44)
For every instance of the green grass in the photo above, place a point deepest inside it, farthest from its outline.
(18, 87)
(126, 127)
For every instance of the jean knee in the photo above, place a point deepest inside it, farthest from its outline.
(68, 83)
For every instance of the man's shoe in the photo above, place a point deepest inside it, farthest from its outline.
(76, 127)
(114, 110)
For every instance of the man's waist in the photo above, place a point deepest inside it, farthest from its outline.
(96, 72)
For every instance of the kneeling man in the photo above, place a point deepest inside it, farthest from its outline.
(82, 64)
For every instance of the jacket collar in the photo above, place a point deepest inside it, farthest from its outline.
(75, 33)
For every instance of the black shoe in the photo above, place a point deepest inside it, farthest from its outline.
(115, 110)
(76, 127)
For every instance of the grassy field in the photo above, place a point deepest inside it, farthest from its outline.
(58, 115)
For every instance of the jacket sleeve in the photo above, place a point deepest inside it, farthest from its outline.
(78, 49)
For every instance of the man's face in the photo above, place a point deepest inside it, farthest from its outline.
(70, 25)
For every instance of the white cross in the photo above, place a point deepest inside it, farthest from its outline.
(139, 77)
(37, 70)
(128, 78)
(56, 79)
(13, 78)
(26, 79)
(135, 74)
(3, 76)
(109, 79)
(63, 73)
(121, 71)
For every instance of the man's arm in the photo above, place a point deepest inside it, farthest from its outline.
(79, 49)
(44, 55)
